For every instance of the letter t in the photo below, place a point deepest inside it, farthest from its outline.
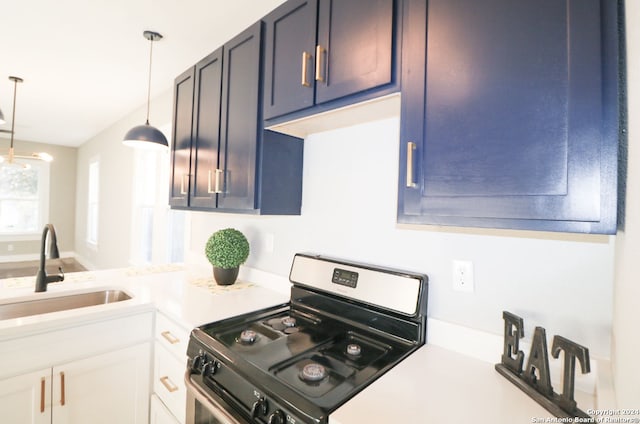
(571, 352)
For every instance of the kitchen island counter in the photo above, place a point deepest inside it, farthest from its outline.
(186, 295)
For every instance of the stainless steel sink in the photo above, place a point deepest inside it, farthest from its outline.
(60, 303)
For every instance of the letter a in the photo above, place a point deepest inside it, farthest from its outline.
(539, 361)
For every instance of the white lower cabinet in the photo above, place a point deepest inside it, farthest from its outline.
(169, 366)
(96, 373)
(26, 398)
(103, 389)
(160, 414)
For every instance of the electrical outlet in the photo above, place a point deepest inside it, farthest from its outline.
(10, 247)
(463, 276)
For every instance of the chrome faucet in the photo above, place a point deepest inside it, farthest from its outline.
(42, 279)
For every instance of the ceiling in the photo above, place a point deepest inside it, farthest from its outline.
(85, 62)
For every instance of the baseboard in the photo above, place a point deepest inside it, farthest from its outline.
(32, 257)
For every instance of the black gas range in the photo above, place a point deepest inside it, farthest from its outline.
(345, 325)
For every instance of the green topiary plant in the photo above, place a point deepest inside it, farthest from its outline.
(227, 248)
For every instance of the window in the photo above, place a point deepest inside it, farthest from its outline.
(24, 199)
(158, 233)
(145, 182)
(93, 197)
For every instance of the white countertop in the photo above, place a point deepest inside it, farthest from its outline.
(188, 297)
(439, 386)
(433, 385)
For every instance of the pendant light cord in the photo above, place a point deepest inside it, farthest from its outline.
(149, 85)
(13, 119)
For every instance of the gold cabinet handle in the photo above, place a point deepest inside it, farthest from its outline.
(168, 384)
(305, 63)
(42, 387)
(183, 190)
(208, 191)
(62, 389)
(219, 180)
(215, 187)
(320, 51)
(411, 147)
(170, 337)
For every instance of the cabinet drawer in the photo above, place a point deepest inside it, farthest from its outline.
(160, 414)
(168, 381)
(172, 336)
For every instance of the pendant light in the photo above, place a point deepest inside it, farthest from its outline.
(10, 158)
(146, 136)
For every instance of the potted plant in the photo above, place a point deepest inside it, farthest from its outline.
(226, 250)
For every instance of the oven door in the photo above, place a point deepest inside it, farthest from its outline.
(205, 407)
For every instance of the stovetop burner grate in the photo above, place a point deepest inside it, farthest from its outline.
(314, 374)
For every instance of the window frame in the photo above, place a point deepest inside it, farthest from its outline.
(93, 200)
(44, 185)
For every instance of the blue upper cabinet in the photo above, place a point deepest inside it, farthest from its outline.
(324, 51)
(510, 114)
(239, 137)
(206, 130)
(289, 83)
(181, 138)
(222, 159)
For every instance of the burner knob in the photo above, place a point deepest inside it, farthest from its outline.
(210, 368)
(198, 362)
(276, 418)
(259, 407)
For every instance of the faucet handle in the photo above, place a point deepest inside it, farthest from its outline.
(55, 278)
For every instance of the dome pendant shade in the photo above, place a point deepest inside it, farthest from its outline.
(145, 136)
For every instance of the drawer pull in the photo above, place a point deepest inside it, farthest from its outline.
(62, 402)
(42, 384)
(168, 384)
(170, 337)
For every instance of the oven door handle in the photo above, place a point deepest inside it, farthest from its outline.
(213, 406)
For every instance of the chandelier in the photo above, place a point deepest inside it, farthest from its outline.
(12, 156)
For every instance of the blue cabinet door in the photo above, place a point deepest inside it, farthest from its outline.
(181, 138)
(222, 158)
(510, 114)
(240, 123)
(206, 131)
(290, 57)
(354, 52)
(323, 51)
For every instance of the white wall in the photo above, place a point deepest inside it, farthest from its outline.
(626, 343)
(559, 281)
(116, 188)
